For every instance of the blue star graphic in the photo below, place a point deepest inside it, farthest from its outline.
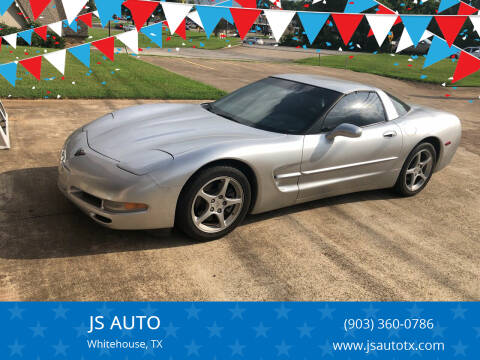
(282, 311)
(459, 349)
(81, 330)
(38, 330)
(305, 330)
(327, 312)
(16, 312)
(237, 349)
(261, 330)
(459, 312)
(60, 348)
(171, 330)
(149, 311)
(477, 330)
(438, 330)
(370, 312)
(415, 311)
(193, 348)
(192, 312)
(16, 349)
(60, 312)
(326, 348)
(105, 311)
(283, 349)
(237, 312)
(215, 330)
(394, 332)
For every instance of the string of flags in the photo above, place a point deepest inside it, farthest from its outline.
(415, 29)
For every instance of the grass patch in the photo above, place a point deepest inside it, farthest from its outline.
(194, 39)
(125, 78)
(397, 67)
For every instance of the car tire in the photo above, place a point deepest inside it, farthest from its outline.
(208, 209)
(417, 170)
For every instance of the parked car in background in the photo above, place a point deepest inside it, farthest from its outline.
(129, 27)
(253, 41)
(472, 50)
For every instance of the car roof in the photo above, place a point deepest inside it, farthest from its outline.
(325, 82)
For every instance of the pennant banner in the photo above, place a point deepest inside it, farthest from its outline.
(210, 16)
(175, 14)
(42, 32)
(26, 35)
(416, 26)
(141, 10)
(33, 66)
(467, 65)
(439, 50)
(106, 46)
(357, 6)
(107, 8)
(9, 72)
(405, 41)
(154, 33)
(446, 4)
(57, 59)
(82, 53)
(38, 6)
(130, 39)
(381, 25)
(244, 19)
(347, 24)
(278, 21)
(72, 8)
(312, 23)
(450, 26)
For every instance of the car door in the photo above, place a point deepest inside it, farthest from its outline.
(344, 164)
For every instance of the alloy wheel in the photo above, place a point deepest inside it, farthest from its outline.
(419, 170)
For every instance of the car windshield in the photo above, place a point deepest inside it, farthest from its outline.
(276, 105)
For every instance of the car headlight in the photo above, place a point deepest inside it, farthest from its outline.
(114, 206)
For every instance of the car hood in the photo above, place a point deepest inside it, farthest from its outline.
(170, 128)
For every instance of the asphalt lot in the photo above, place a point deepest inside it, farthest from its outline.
(366, 246)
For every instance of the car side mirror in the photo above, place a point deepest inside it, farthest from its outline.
(346, 130)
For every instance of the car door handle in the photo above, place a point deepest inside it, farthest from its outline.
(390, 134)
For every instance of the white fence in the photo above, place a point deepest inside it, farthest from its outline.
(4, 135)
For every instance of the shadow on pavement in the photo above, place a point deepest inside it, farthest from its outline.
(38, 222)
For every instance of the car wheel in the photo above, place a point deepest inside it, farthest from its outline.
(213, 203)
(417, 170)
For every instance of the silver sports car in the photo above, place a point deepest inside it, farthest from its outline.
(283, 140)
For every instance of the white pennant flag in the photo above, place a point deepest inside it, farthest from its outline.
(72, 8)
(195, 18)
(56, 27)
(11, 39)
(57, 59)
(278, 21)
(130, 39)
(405, 40)
(175, 13)
(96, 14)
(381, 25)
(475, 19)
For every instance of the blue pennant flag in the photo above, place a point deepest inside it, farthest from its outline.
(358, 6)
(9, 72)
(154, 33)
(4, 5)
(227, 14)
(416, 26)
(108, 8)
(82, 53)
(26, 35)
(73, 25)
(439, 50)
(210, 16)
(312, 23)
(445, 4)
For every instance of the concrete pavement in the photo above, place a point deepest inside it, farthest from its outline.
(366, 246)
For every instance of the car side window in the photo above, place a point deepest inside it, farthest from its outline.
(360, 108)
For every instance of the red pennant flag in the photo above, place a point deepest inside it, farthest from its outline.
(33, 66)
(87, 19)
(42, 32)
(141, 11)
(182, 30)
(38, 6)
(244, 19)
(106, 46)
(450, 26)
(347, 24)
(466, 9)
(467, 64)
(247, 3)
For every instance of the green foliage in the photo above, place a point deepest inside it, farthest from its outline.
(53, 40)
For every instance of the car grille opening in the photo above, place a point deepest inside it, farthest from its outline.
(102, 219)
(86, 197)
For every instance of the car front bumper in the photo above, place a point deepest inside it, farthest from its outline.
(90, 178)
